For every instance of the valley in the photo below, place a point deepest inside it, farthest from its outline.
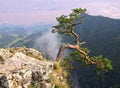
(101, 34)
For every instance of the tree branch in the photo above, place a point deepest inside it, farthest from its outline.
(76, 47)
(75, 34)
(81, 20)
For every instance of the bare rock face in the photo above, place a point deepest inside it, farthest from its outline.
(9, 52)
(19, 68)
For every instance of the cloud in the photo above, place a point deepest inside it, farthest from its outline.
(30, 5)
(111, 12)
(48, 43)
(32, 11)
(110, 9)
(31, 17)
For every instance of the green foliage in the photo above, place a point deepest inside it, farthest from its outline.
(58, 76)
(57, 67)
(79, 10)
(75, 57)
(57, 86)
(103, 64)
(66, 63)
(65, 23)
(67, 66)
(34, 84)
(87, 51)
(77, 54)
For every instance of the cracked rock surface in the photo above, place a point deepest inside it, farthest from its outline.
(19, 69)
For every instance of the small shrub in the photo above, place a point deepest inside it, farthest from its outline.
(64, 74)
(56, 75)
(57, 68)
(56, 65)
(1, 58)
(57, 86)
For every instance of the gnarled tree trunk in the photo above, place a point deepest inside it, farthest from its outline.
(76, 47)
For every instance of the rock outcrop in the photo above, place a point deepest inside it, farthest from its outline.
(5, 53)
(19, 68)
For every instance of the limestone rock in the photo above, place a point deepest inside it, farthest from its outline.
(20, 70)
(5, 53)
(23, 67)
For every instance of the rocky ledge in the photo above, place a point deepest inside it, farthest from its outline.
(19, 68)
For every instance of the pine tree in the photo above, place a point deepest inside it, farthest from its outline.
(66, 25)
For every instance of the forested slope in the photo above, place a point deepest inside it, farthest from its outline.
(102, 36)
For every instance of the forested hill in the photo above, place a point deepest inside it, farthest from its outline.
(11, 34)
(102, 36)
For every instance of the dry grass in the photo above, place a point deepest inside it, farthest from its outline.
(58, 76)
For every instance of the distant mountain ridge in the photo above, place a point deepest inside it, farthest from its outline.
(96, 31)
(102, 36)
(10, 33)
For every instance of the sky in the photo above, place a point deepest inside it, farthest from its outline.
(45, 11)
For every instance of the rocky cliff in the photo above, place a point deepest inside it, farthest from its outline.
(23, 67)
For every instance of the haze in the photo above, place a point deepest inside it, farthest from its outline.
(45, 11)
